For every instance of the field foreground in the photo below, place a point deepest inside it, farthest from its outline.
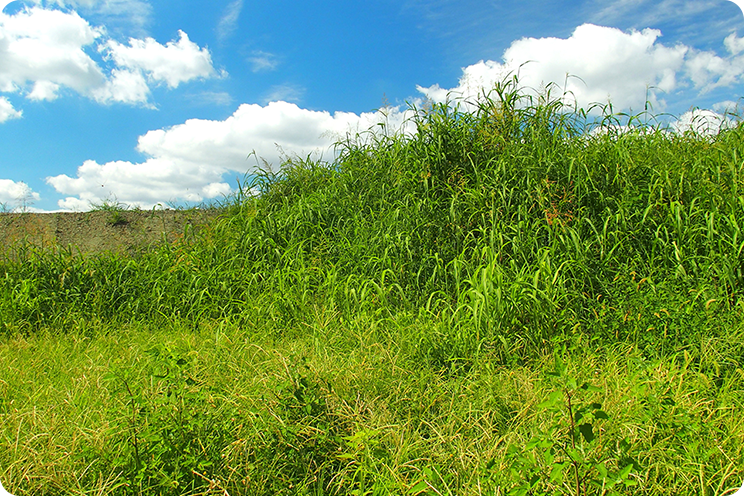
(513, 301)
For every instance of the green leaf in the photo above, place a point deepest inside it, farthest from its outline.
(418, 487)
(560, 368)
(535, 442)
(575, 455)
(602, 470)
(625, 471)
(587, 432)
(556, 474)
(553, 399)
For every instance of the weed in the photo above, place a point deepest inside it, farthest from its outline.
(115, 211)
(172, 434)
(570, 456)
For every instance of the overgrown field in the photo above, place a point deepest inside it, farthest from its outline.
(515, 300)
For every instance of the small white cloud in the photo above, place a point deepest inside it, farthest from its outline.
(285, 92)
(702, 122)
(727, 107)
(44, 90)
(124, 86)
(16, 195)
(229, 20)
(76, 204)
(173, 63)
(7, 111)
(263, 61)
(219, 98)
(708, 71)
(734, 44)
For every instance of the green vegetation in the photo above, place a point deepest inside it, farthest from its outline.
(115, 211)
(507, 302)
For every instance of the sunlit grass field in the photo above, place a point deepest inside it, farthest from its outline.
(517, 299)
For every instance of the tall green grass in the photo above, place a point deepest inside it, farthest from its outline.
(384, 324)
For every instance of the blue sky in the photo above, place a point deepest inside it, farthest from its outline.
(150, 102)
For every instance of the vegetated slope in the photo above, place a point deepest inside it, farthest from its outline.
(478, 247)
(511, 219)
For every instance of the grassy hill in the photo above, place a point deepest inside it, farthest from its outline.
(517, 299)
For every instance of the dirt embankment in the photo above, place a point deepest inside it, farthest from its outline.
(99, 231)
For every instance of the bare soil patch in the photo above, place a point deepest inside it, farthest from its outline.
(98, 231)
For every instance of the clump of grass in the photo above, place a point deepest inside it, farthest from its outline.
(115, 211)
(384, 324)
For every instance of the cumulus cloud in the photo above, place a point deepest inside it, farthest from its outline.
(123, 86)
(173, 63)
(709, 71)
(7, 111)
(734, 44)
(16, 195)
(47, 46)
(598, 64)
(187, 162)
(703, 122)
(43, 51)
(606, 62)
(145, 184)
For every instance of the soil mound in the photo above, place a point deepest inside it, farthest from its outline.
(96, 232)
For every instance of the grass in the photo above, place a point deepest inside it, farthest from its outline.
(505, 302)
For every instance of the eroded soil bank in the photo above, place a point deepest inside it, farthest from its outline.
(99, 231)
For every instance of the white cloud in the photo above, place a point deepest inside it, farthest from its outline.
(651, 12)
(47, 45)
(211, 98)
(43, 51)
(285, 92)
(16, 194)
(727, 107)
(173, 63)
(709, 71)
(606, 64)
(733, 44)
(188, 161)
(133, 14)
(7, 111)
(263, 61)
(229, 20)
(44, 90)
(124, 86)
(703, 122)
(145, 185)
